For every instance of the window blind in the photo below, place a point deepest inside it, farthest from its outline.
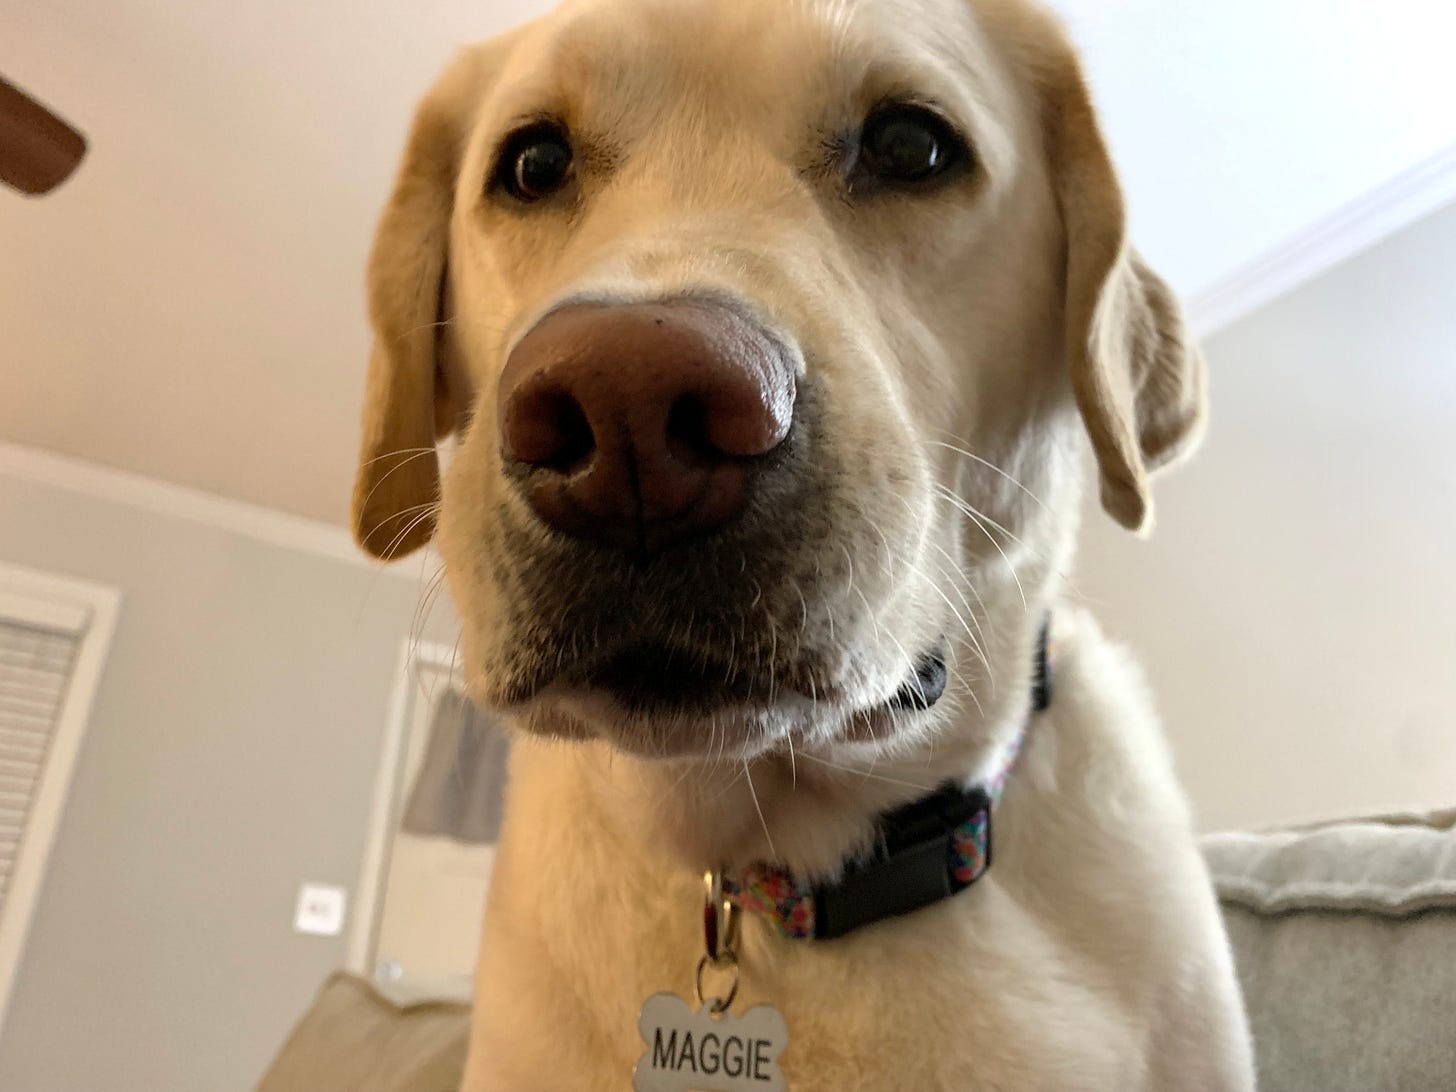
(35, 668)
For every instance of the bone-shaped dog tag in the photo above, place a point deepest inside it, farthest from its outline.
(691, 1051)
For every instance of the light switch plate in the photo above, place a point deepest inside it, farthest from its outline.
(320, 910)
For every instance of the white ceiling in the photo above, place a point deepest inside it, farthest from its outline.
(1238, 123)
(189, 306)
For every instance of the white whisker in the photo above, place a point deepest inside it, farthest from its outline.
(968, 507)
(415, 453)
(753, 793)
(866, 774)
(975, 518)
(993, 468)
(956, 571)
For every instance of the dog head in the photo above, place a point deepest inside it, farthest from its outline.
(770, 336)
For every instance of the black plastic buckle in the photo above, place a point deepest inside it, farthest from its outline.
(908, 870)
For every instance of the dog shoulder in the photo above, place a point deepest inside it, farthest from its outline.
(1103, 734)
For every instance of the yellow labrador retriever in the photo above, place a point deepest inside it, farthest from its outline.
(771, 335)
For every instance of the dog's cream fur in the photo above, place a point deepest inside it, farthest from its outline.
(999, 319)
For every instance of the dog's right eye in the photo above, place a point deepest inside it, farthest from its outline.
(535, 163)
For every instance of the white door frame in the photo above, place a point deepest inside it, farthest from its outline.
(88, 612)
(416, 658)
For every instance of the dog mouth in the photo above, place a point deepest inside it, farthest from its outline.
(654, 679)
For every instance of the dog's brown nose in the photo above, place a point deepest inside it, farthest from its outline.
(638, 425)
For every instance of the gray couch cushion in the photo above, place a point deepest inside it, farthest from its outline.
(354, 1039)
(1344, 934)
(1345, 939)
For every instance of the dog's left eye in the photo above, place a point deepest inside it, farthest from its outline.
(535, 163)
(904, 144)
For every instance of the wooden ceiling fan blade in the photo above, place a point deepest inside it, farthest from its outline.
(38, 151)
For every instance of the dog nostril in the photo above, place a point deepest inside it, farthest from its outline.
(687, 430)
(575, 440)
(548, 429)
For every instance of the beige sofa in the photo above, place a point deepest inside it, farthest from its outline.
(1345, 936)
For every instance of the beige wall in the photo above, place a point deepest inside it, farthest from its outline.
(231, 755)
(1294, 609)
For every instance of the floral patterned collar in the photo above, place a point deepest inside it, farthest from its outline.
(929, 850)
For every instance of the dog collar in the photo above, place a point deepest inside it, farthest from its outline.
(927, 851)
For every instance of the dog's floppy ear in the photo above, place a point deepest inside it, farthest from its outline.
(407, 401)
(1138, 378)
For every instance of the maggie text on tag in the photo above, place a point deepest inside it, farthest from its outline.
(731, 1055)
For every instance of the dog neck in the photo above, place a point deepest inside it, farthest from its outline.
(805, 808)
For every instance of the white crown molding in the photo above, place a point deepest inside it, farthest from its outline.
(162, 498)
(1362, 223)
